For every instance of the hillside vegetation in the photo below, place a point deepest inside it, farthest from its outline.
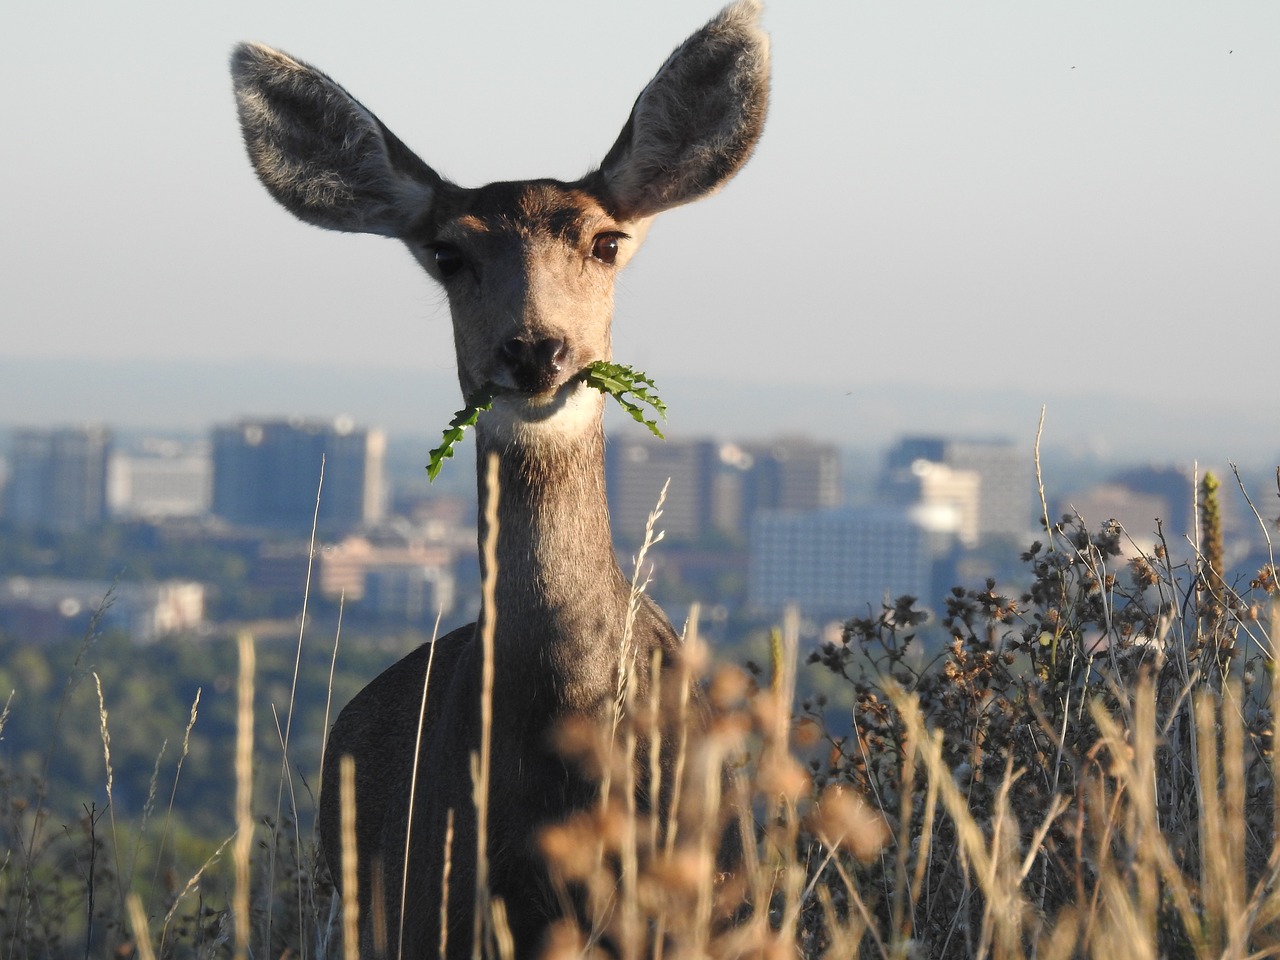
(1087, 764)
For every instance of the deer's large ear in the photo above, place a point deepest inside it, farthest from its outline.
(320, 153)
(697, 121)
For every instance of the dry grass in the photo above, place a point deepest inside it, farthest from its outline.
(1088, 766)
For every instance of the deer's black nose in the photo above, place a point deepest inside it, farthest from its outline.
(536, 365)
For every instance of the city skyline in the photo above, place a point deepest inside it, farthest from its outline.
(995, 206)
(750, 525)
(1177, 425)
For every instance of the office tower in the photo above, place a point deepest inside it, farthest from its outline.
(636, 471)
(946, 501)
(1004, 471)
(835, 563)
(790, 475)
(266, 474)
(58, 478)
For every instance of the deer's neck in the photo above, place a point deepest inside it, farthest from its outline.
(560, 599)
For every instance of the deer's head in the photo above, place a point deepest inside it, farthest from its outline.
(528, 266)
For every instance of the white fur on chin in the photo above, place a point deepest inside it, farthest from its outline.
(573, 411)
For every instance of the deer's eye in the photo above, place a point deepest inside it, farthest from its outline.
(605, 247)
(448, 260)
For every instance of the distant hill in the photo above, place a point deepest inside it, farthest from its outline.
(191, 395)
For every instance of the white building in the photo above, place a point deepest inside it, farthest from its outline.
(164, 480)
(1004, 471)
(945, 501)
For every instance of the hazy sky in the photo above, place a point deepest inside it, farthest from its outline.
(1057, 198)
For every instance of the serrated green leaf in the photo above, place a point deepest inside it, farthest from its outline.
(466, 417)
(615, 379)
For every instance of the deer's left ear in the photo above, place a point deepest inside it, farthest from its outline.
(697, 121)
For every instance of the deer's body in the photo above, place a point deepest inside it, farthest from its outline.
(528, 268)
(576, 598)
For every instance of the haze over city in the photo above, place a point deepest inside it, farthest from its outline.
(956, 214)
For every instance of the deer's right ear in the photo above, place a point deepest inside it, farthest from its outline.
(320, 153)
(697, 121)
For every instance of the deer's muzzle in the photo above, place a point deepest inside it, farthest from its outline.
(537, 365)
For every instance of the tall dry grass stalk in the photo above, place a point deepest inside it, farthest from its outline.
(624, 703)
(328, 695)
(350, 855)
(694, 877)
(177, 775)
(413, 794)
(444, 885)
(1222, 914)
(484, 927)
(31, 840)
(192, 884)
(639, 584)
(286, 776)
(243, 845)
(1138, 884)
(105, 733)
(138, 924)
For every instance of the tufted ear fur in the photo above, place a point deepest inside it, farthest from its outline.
(320, 153)
(697, 121)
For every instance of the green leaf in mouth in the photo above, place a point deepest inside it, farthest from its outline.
(466, 417)
(615, 379)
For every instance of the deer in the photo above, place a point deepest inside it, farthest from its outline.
(528, 270)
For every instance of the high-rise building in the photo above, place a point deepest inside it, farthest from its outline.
(1004, 471)
(946, 501)
(788, 474)
(636, 471)
(266, 474)
(835, 562)
(716, 486)
(58, 478)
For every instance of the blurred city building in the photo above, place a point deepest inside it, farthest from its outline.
(405, 577)
(1176, 487)
(1005, 484)
(43, 609)
(785, 474)
(1136, 512)
(266, 474)
(944, 500)
(58, 478)
(637, 470)
(836, 562)
(716, 487)
(163, 479)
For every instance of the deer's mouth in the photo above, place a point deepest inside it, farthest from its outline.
(540, 404)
